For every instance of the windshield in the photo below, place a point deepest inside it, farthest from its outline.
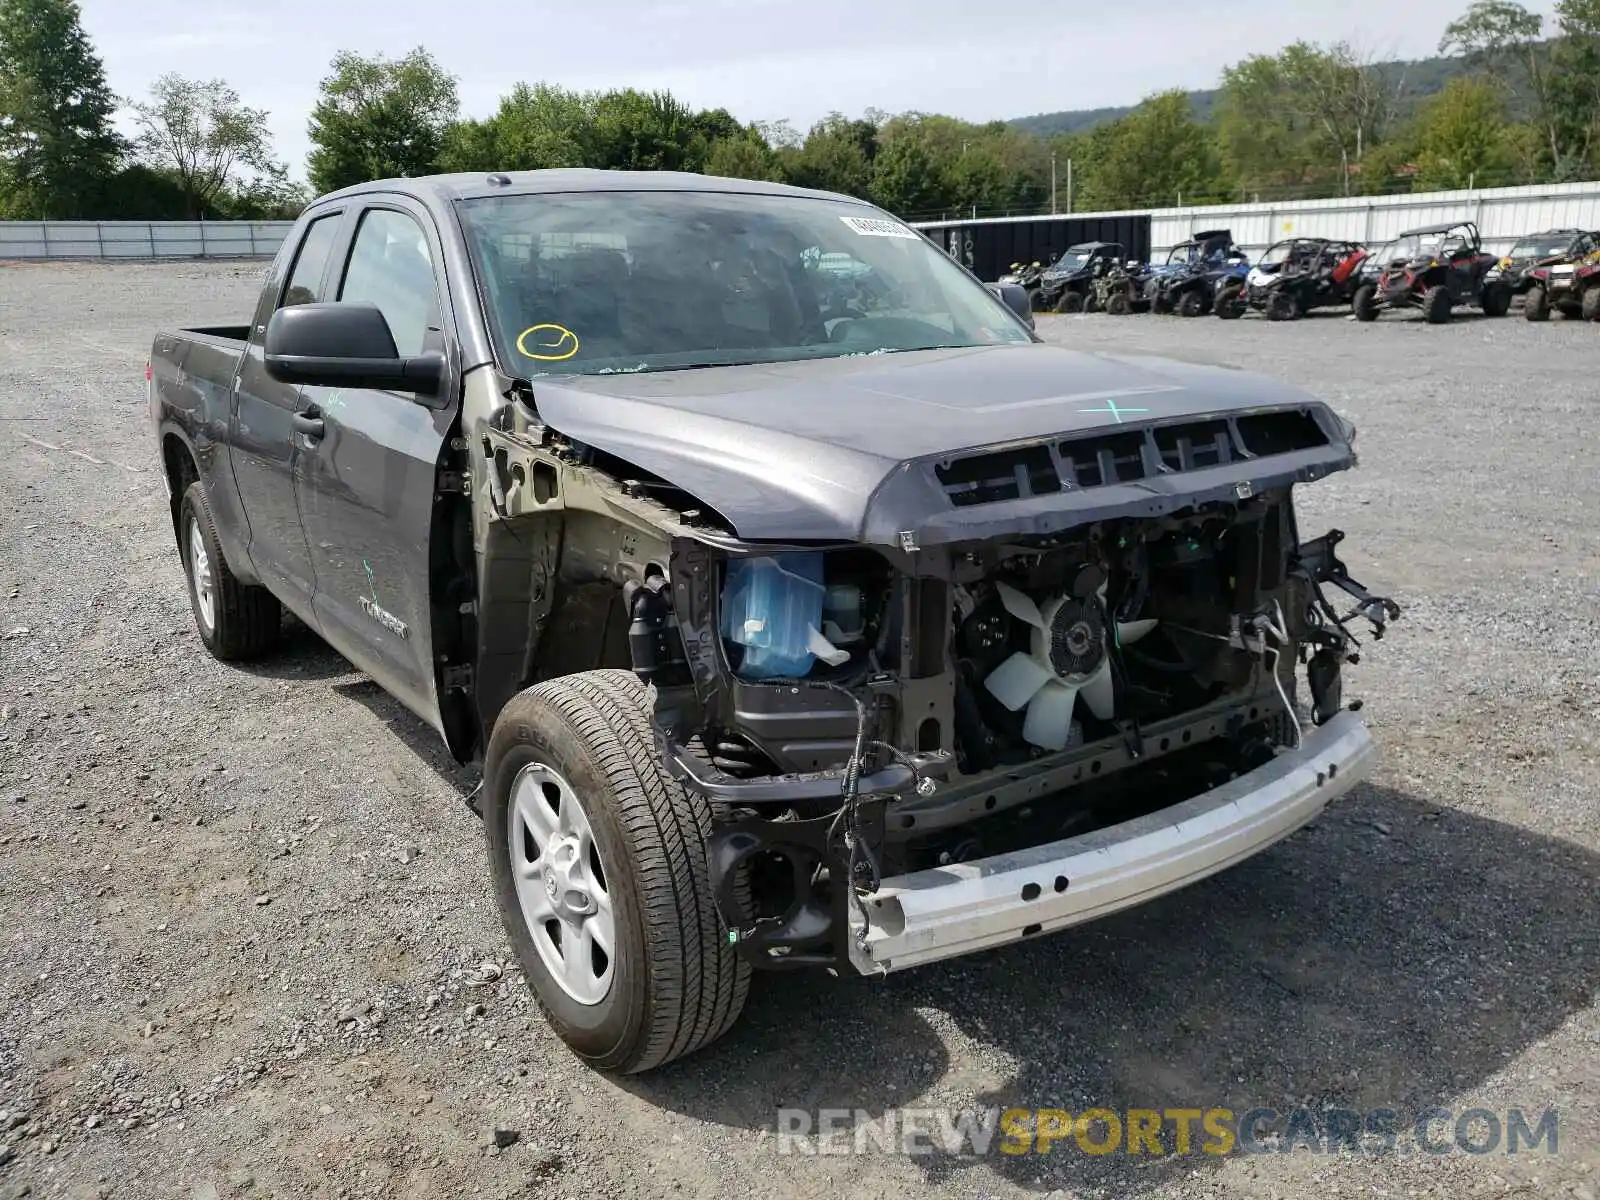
(1430, 245)
(1073, 259)
(1542, 247)
(1183, 253)
(601, 282)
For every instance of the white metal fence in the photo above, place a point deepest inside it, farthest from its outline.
(141, 239)
(1502, 215)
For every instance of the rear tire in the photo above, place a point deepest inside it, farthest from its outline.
(1536, 305)
(1118, 304)
(1365, 303)
(675, 983)
(1436, 305)
(1591, 302)
(1496, 300)
(236, 621)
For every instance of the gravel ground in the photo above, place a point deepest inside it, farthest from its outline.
(245, 912)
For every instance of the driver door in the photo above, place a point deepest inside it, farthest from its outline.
(367, 482)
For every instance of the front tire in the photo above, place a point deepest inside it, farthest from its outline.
(1070, 302)
(1230, 303)
(1191, 304)
(1365, 303)
(1283, 306)
(1536, 306)
(1118, 304)
(236, 621)
(1591, 302)
(583, 822)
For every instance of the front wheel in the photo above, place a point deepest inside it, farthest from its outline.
(1230, 303)
(1191, 304)
(1591, 302)
(600, 874)
(1283, 307)
(1536, 306)
(1365, 303)
(1070, 302)
(1496, 301)
(1118, 304)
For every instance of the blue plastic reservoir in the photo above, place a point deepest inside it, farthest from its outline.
(769, 606)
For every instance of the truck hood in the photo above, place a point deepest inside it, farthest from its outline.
(846, 449)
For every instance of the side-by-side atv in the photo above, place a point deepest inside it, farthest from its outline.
(1537, 250)
(1195, 272)
(1068, 284)
(1293, 277)
(1435, 269)
(1120, 290)
(1570, 284)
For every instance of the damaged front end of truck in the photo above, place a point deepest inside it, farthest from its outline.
(1044, 680)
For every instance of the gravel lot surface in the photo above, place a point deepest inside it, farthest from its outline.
(244, 913)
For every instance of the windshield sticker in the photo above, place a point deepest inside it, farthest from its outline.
(554, 343)
(874, 227)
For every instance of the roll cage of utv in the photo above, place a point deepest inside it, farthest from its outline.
(1068, 284)
(1196, 270)
(1295, 276)
(1434, 269)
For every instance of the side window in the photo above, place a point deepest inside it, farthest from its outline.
(305, 279)
(390, 266)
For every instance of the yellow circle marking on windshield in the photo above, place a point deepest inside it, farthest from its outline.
(563, 336)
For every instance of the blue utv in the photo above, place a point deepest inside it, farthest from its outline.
(1194, 272)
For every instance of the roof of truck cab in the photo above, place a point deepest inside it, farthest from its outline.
(476, 184)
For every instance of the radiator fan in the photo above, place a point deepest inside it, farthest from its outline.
(1068, 659)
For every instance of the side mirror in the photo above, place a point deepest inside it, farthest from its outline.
(345, 344)
(1015, 297)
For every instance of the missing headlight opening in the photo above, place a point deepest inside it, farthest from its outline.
(862, 713)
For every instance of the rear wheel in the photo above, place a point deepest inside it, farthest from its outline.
(1283, 306)
(1436, 305)
(1536, 305)
(601, 878)
(236, 621)
(1496, 301)
(1070, 302)
(1118, 304)
(1591, 302)
(1230, 302)
(1365, 303)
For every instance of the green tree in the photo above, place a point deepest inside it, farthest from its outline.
(57, 146)
(1156, 155)
(745, 157)
(1508, 44)
(536, 127)
(1461, 136)
(905, 180)
(835, 156)
(379, 119)
(205, 135)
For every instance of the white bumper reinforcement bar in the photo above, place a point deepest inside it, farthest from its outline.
(947, 911)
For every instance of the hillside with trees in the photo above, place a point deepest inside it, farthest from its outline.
(1513, 98)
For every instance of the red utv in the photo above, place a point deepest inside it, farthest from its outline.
(1435, 269)
(1570, 285)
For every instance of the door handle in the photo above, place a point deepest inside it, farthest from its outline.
(308, 423)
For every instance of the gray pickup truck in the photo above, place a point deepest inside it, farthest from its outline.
(800, 605)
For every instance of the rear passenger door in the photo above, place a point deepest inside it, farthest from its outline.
(367, 483)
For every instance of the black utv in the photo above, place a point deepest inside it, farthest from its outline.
(1435, 269)
(1540, 249)
(1068, 284)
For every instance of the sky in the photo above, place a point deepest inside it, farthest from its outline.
(762, 60)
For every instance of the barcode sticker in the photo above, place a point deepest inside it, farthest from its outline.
(876, 227)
